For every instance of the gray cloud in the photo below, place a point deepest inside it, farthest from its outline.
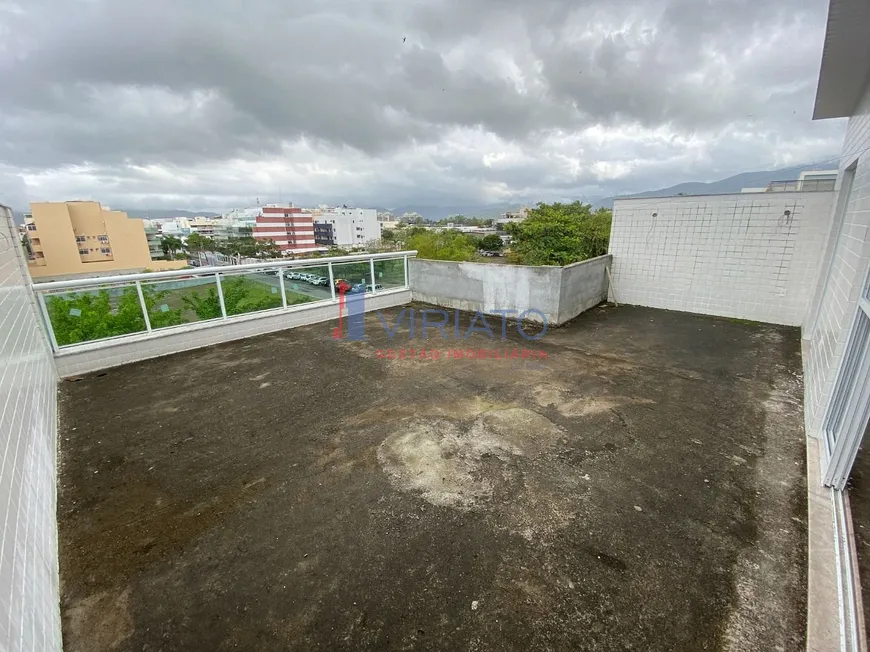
(173, 103)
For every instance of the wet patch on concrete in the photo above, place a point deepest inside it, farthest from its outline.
(640, 488)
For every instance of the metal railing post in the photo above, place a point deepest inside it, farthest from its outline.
(143, 305)
(48, 325)
(372, 268)
(281, 283)
(331, 280)
(220, 289)
(407, 279)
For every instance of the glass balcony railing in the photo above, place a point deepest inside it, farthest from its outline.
(96, 309)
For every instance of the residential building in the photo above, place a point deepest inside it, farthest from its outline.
(224, 229)
(324, 234)
(837, 327)
(81, 237)
(510, 217)
(291, 228)
(153, 236)
(389, 225)
(204, 226)
(661, 454)
(351, 227)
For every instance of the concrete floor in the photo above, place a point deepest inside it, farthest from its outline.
(640, 488)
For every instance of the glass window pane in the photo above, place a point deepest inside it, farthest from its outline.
(181, 301)
(255, 291)
(356, 276)
(88, 315)
(307, 283)
(389, 273)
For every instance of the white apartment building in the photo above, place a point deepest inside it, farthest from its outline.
(346, 227)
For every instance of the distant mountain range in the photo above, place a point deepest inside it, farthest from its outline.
(724, 186)
(146, 213)
(440, 212)
(157, 214)
(429, 212)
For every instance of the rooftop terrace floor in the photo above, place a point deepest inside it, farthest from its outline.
(640, 488)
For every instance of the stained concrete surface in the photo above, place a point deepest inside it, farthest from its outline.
(640, 488)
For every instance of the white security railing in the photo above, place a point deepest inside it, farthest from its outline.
(106, 308)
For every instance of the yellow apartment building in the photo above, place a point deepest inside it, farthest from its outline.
(81, 237)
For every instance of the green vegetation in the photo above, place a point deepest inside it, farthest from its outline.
(329, 253)
(390, 273)
(241, 295)
(86, 316)
(90, 316)
(491, 242)
(170, 245)
(461, 220)
(560, 234)
(441, 245)
(246, 246)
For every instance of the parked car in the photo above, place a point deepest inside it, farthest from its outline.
(321, 280)
(290, 276)
(359, 288)
(376, 286)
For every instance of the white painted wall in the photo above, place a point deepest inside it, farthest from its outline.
(734, 255)
(488, 288)
(352, 227)
(29, 598)
(843, 272)
(556, 294)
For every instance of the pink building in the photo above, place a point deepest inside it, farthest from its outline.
(291, 228)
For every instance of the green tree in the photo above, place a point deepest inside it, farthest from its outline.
(441, 245)
(198, 242)
(560, 234)
(268, 249)
(170, 244)
(241, 295)
(462, 220)
(491, 242)
(246, 246)
(86, 316)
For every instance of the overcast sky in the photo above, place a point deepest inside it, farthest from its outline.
(213, 103)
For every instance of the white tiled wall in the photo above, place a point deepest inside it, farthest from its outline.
(29, 599)
(734, 255)
(849, 249)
